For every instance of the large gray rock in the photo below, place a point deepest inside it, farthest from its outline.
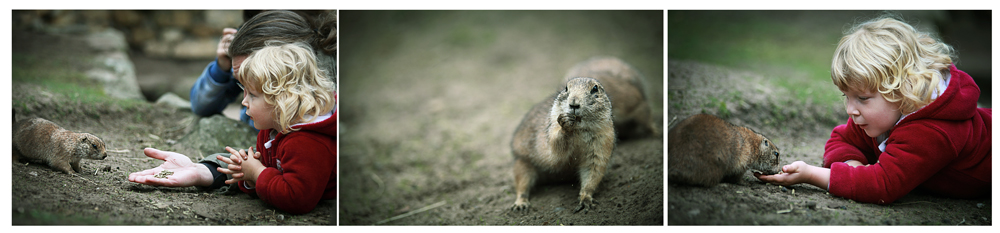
(212, 134)
(196, 48)
(172, 100)
(223, 18)
(112, 66)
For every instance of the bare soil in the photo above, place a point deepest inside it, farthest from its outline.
(800, 129)
(101, 194)
(431, 101)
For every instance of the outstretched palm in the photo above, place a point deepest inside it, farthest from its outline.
(185, 172)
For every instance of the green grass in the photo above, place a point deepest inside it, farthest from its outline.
(793, 53)
(59, 76)
(33, 217)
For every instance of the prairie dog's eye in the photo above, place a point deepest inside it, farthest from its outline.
(566, 89)
(775, 154)
(593, 90)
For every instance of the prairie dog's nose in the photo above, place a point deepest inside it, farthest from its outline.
(574, 106)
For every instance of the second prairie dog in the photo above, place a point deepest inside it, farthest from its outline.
(705, 150)
(41, 140)
(627, 90)
(568, 135)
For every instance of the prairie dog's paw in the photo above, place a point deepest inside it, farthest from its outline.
(586, 203)
(520, 205)
(567, 120)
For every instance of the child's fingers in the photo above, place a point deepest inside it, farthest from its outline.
(225, 171)
(256, 155)
(224, 159)
(243, 154)
(237, 159)
(235, 168)
(232, 151)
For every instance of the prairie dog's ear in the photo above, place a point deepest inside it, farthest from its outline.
(764, 145)
(83, 138)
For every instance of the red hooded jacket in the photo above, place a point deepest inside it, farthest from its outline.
(943, 148)
(301, 167)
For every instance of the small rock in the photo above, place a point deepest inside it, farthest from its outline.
(281, 217)
(783, 189)
(811, 205)
(694, 212)
(979, 205)
(106, 168)
(170, 99)
(33, 173)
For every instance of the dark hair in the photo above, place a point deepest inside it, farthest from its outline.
(318, 29)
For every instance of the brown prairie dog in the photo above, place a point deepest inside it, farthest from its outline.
(627, 90)
(705, 150)
(41, 140)
(570, 134)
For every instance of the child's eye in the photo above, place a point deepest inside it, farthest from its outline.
(864, 98)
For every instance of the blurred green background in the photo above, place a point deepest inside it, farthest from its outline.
(777, 43)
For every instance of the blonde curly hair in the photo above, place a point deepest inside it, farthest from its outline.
(890, 57)
(290, 81)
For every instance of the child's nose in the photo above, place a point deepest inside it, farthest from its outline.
(245, 102)
(851, 110)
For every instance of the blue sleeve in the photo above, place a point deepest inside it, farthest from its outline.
(209, 96)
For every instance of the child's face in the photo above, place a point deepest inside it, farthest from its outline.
(871, 111)
(258, 110)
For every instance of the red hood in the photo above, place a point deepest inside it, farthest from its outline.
(958, 102)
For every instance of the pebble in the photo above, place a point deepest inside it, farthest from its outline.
(694, 212)
(979, 205)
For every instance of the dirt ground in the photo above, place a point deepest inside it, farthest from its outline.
(101, 194)
(431, 101)
(799, 128)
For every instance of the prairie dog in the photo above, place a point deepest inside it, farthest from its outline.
(570, 134)
(705, 150)
(41, 140)
(627, 90)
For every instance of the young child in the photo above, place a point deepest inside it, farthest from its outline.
(293, 105)
(913, 121)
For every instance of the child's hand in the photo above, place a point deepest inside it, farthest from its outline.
(794, 173)
(854, 163)
(235, 167)
(242, 166)
(222, 51)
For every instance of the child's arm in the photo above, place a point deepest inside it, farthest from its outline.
(213, 90)
(305, 171)
(915, 154)
(848, 142)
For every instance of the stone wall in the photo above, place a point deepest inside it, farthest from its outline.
(178, 34)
